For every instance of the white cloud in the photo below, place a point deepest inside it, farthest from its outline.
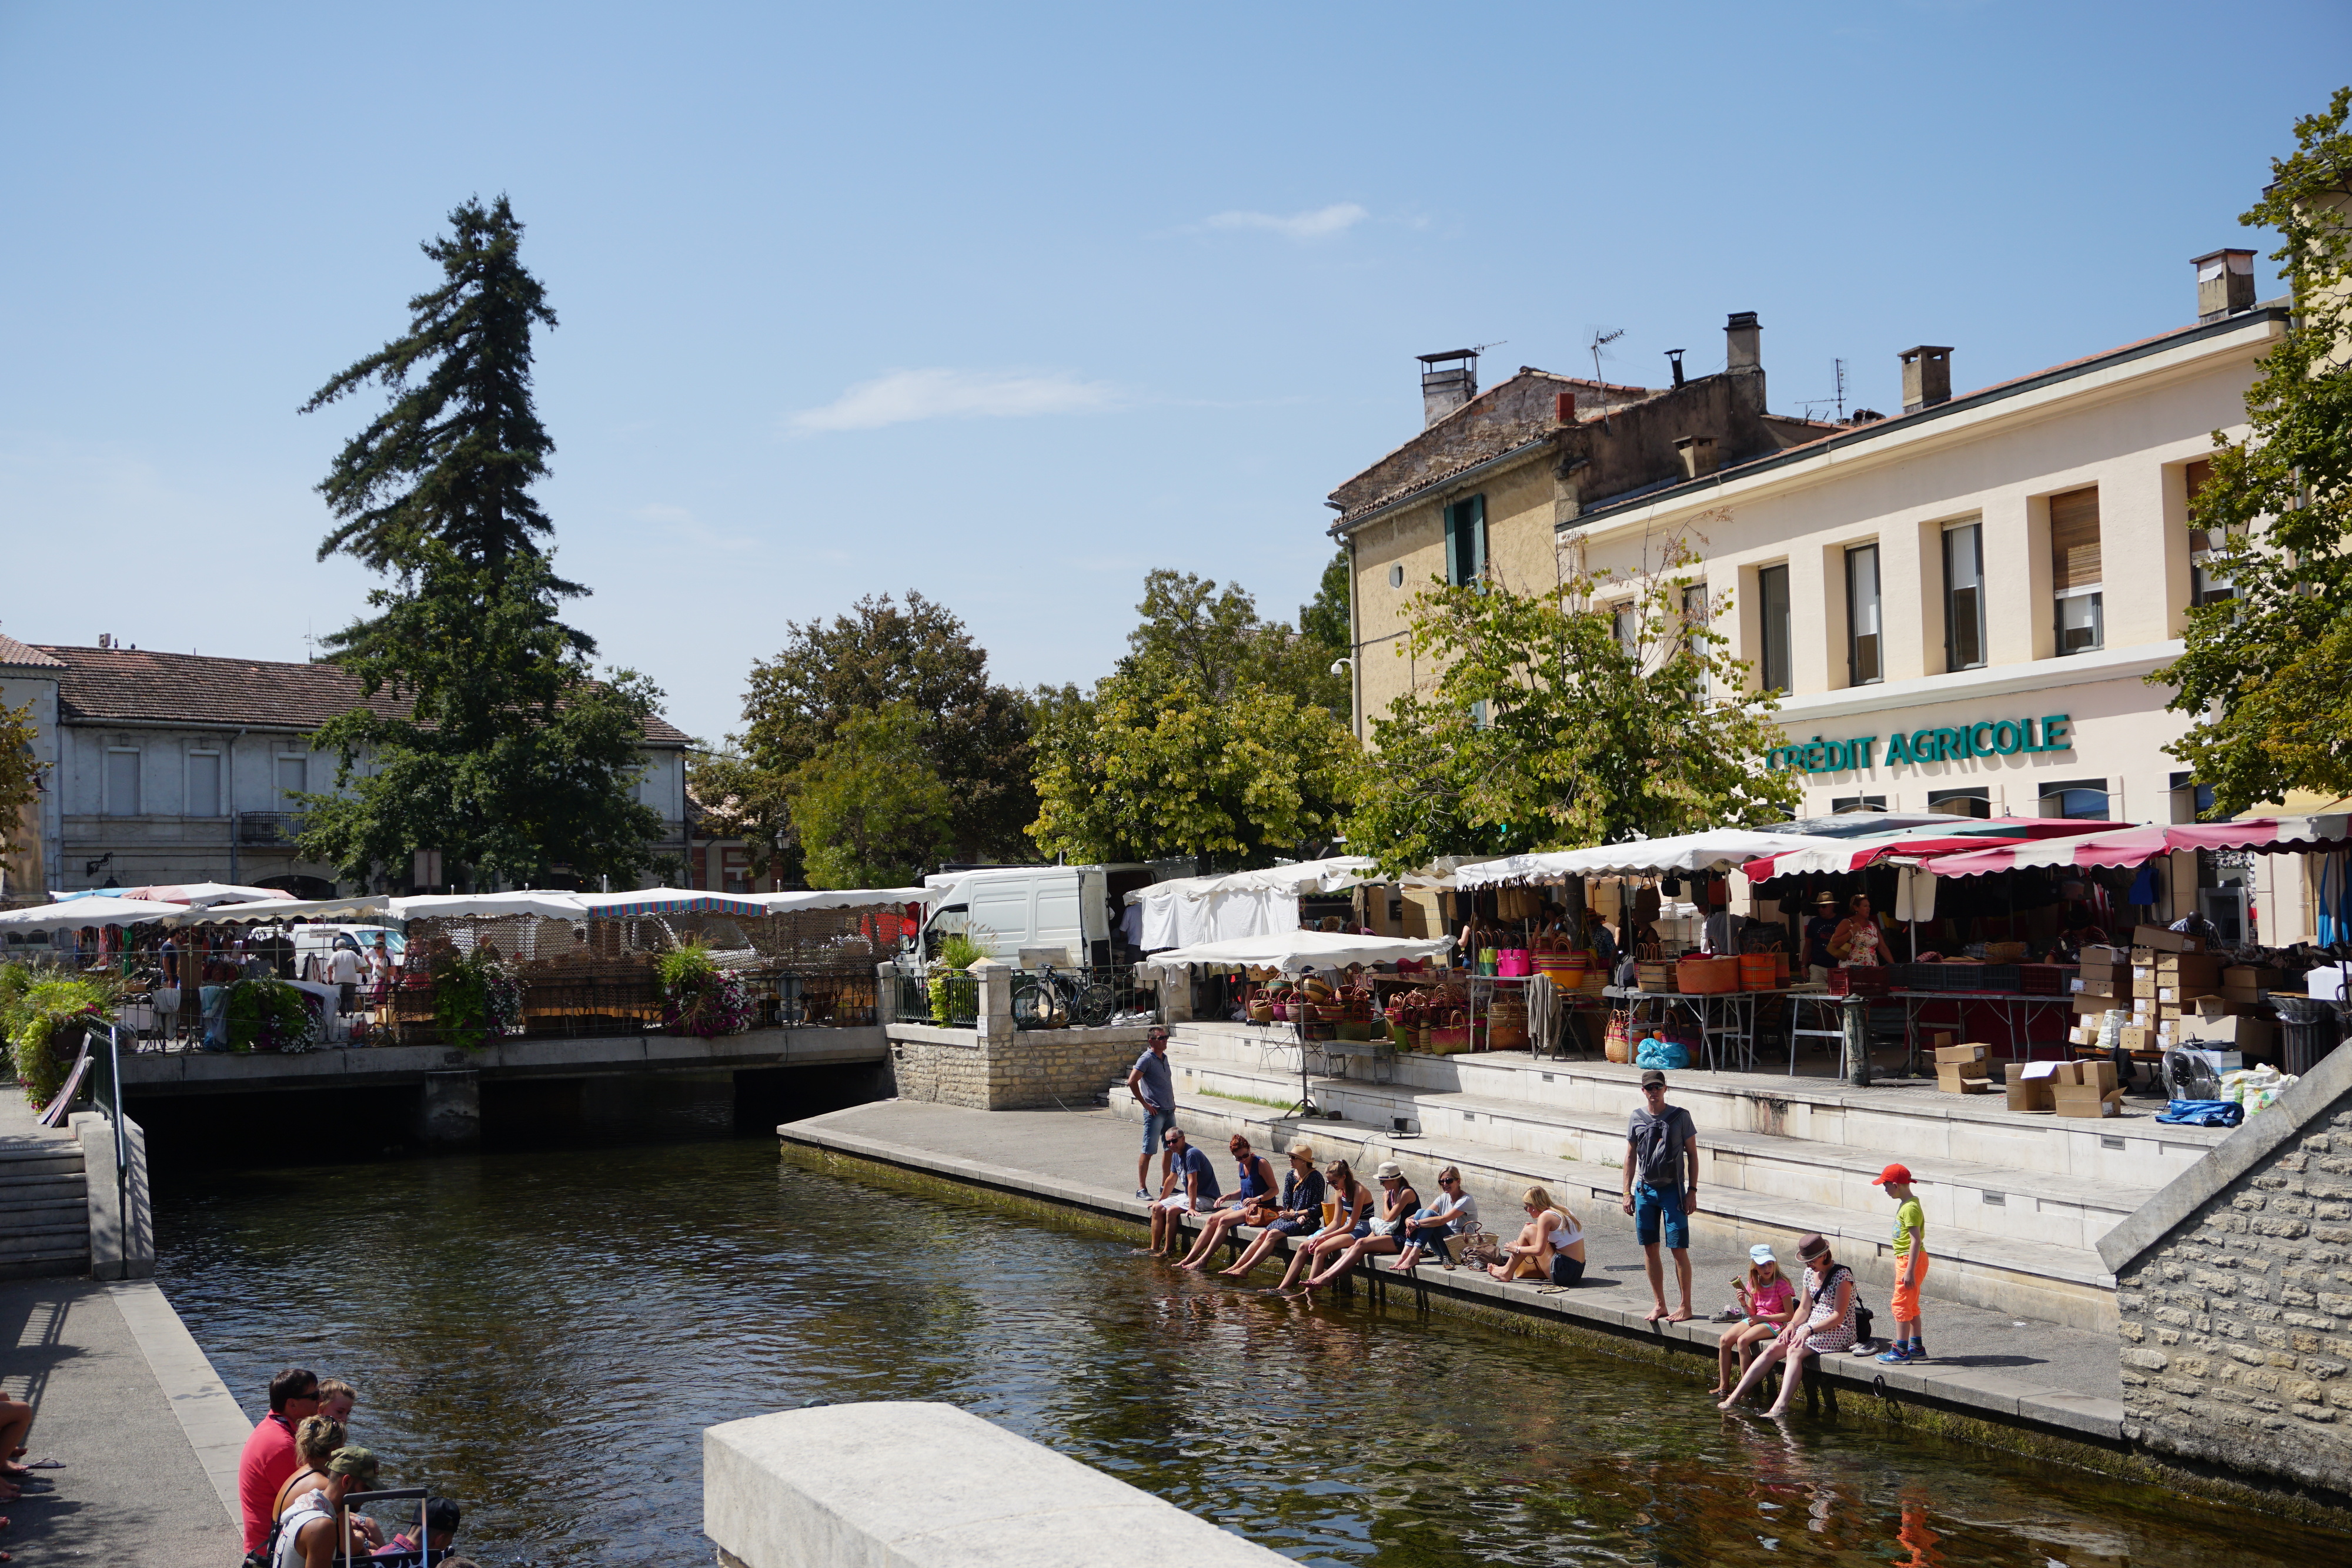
(903, 397)
(1320, 224)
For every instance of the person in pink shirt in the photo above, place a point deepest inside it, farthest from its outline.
(1767, 1301)
(269, 1458)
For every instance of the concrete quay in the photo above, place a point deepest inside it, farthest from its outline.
(2039, 1379)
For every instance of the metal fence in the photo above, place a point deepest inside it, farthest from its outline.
(1087, 998)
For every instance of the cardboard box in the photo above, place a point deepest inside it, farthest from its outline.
(1959, 1055)
(2106, 955)
(2253, 1038)
(2098, 987)
(2032, 1094)
(2201, 970)
(2144, 988)
(2250, 978)
(2138, 1038)
(2087, 1100)
(2158, 939)
(2103, 971)
(2097, 1004)
(2212, 1008)
(1959, 1078)
(2088, 1072)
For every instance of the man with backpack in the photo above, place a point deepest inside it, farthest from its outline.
(1661, 1188)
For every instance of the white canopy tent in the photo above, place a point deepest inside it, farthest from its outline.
(74, 914)
(368, 909)
(1296, 952)
(847, 898)
(204, 894)
(546, 904)
(1718, 850)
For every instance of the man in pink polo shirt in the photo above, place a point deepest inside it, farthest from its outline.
(269, 1458)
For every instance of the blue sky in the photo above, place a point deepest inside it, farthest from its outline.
(1012, 304)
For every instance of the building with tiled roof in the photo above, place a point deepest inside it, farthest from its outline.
(175, 768)
(1958, 608)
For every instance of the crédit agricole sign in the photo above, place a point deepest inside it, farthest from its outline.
(1996, 737)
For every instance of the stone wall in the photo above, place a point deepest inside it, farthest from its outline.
(1024, 1068)
(2234, 1295)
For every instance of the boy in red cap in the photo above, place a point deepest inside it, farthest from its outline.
(1910, 1265)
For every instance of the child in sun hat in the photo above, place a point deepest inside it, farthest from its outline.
(1910, 1265)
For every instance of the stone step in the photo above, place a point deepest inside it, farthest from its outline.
(1956, 1193)
(50, 1264)
(1890, 1121)
(16, 1191)
(2031, 1279)
(48, 1160)
(18, 1241)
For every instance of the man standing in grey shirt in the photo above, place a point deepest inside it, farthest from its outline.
(1661, 1188)
(1149, 1082)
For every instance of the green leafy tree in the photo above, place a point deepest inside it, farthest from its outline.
(452, 460)
(976, 733)
(1216, 643)
(1208, 741)
(20, 778)
(1324, 620)
(2268, 674)
(485, 733)
(485, 736)
(870, 807)
(1553, 724)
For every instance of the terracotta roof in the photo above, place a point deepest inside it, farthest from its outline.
(135, 685)
(14, 652)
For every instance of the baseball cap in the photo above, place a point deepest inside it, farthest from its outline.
(352, 1460)
(1761, 1253)
(1891, 1173)
(1652, 1076)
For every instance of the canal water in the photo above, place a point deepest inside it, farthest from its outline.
(543, 1333)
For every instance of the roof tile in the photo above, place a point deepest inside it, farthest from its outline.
(133, 684)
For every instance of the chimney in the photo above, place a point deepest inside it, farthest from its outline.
(1675, 357)
(1741, 351)
(1697, 453)
(1447, 382)
(106, 639)
(1926, 376)
(2225, 284)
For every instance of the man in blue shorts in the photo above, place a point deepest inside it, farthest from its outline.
(1149, 1082)
(1661, 1188)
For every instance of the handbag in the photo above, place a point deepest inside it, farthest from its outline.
(1482, 1248)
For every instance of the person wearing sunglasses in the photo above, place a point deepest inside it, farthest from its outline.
(1454, 1213)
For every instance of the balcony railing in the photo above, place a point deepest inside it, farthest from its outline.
(267, 827)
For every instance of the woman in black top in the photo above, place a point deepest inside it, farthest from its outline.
(1249, 1203)
(1386, 1231)
(1299, 1212)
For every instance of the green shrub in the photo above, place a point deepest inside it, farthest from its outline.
(476, 999)
(269, 1015)
(44, 1014)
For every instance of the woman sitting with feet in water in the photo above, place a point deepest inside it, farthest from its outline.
(1551, 1244)
(1349, 1203)
(1822, 1322)
(1249, 1203)
(1299, 1212)
(1384, 1233)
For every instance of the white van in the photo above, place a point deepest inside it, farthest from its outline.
(1009, 909)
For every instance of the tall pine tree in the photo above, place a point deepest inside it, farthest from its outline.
(485, 735)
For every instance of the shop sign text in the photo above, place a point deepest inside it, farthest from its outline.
(2000, 737)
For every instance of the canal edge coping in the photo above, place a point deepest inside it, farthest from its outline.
(209, 1415)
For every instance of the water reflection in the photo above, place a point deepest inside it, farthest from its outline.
(544, 1335)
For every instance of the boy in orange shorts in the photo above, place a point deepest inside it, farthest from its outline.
(1910, 1266)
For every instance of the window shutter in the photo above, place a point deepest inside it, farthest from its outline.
(2196, 476)
(1452, 545)
(2075, 539)
(1466, 541)
(1476, 507)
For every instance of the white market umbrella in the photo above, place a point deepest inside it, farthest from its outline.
(1296, 952)
(75, 913)
(361, 909)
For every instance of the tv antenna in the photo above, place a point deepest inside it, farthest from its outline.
(1840, 366)
(1602, 339)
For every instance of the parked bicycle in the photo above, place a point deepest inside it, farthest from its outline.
(1051, 999)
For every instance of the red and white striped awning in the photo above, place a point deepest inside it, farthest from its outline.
(1917, 842)
(2131, 846)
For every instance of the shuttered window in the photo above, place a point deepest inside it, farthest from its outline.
(1772, 605)
(2197, 475)
(122, 784)
(1466, 541)
(2075, 539)
(204, 784)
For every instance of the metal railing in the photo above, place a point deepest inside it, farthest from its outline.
(1081, 997)
(268, 827)
(949, 1000)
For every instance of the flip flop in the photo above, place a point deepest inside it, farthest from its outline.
(44, 1464)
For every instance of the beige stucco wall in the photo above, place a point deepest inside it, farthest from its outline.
(1519, 515)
